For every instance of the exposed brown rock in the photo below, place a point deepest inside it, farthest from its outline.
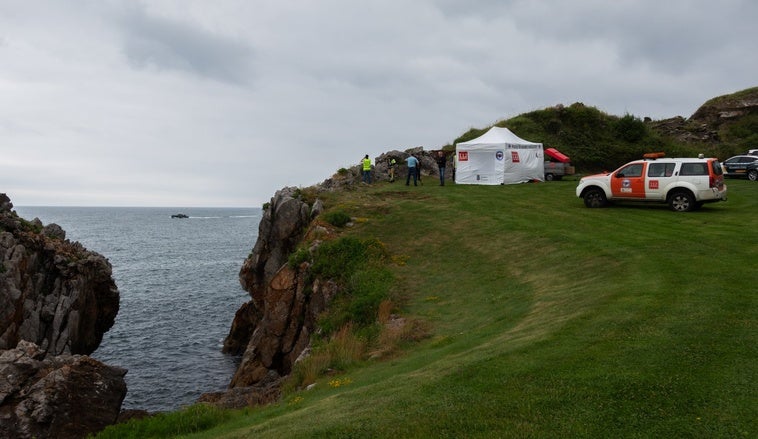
(274, 328)
(53, 292)
(67, 396)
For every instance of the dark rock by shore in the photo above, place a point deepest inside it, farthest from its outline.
(64, 396)
(53, 292)
(57, 299)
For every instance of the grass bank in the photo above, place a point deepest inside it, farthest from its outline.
(547, 319)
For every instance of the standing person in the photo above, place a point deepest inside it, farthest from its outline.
(441, 162)
(412, 166)
(418, 169)
(366, 169)
(391, 168)
(452, 162)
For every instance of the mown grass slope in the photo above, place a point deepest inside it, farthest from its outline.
(547, 319)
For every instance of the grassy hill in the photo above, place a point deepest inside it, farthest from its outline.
(722, 127)
(542, 319)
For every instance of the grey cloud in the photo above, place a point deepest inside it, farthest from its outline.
(153, 42)
(670, 37)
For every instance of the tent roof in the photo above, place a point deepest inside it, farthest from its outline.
(497, 135)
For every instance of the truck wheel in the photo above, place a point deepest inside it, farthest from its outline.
(682, 201)
(753, 175)
(594, 197)
(548, 177)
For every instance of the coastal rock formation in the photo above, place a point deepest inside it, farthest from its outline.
(57, 299)
(274, 328)
(708, 123)
(271, 331)
(67, 396)
(53, 292)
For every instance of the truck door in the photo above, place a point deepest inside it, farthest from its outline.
(659, 176)
(629, 181)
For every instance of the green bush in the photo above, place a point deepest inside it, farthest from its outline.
(300, 255)
(359, 265)
(337, 218)
(339, 259)
(630, 129)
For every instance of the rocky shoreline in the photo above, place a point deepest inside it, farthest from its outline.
(57, 299)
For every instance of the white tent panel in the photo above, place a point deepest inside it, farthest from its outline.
(480, 166)
(499, 157)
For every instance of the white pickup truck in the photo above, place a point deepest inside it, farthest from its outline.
(684, 183)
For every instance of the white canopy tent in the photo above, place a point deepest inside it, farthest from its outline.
(498, 157)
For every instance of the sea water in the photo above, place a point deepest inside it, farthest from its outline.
(179, 286)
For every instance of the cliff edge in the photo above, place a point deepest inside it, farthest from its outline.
(57, 299)
(53, 292)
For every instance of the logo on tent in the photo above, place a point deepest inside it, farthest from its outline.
(515, 157)
(499, 155)
(462, 156)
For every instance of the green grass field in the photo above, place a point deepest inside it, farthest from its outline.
(546, 319)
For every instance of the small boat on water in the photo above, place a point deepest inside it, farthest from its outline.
(179, 215)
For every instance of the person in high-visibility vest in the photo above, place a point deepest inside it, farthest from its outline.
(367, 170)
(391, 169)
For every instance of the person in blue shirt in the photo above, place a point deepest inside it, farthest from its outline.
(412, 165)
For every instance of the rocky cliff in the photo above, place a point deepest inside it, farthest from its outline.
(273, 330)
(274, 327)
(53, 292)
(57, 299)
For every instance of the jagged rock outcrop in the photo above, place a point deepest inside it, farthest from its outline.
(66, 396)
(707, 123)
(57, 299)
(274, 328)
(53, 292)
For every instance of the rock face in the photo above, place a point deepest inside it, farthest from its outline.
(53, 292)
(56, 301)
(707, 123)
(274, 328)
(67, 396)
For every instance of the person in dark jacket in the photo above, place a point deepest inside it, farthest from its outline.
(441, 163)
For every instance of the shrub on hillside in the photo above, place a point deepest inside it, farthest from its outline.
(337, 218)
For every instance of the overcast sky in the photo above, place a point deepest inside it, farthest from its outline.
(223, 102)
